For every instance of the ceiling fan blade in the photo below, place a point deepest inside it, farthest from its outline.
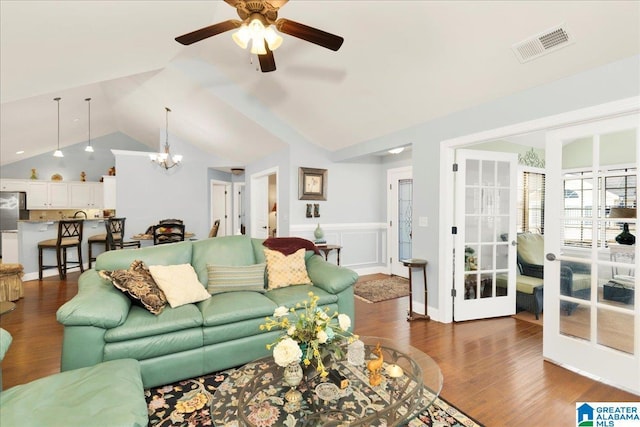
(267, 61)
(206, 32)
(310, 34)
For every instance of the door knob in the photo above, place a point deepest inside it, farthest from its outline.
(514, 243)
(551, 257)
(265, 227)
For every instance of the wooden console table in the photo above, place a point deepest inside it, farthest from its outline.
(416, 263)
(326, 249)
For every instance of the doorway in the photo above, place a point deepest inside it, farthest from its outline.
(221, 206)
(264, 198)
(447, 209)
(399, 214)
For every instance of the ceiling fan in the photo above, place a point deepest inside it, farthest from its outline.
(259, 17)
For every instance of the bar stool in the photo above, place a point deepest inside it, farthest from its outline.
(69, 236)
(100, 239)
(416, 263)
(115, 235)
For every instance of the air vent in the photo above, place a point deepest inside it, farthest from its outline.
(541, 44)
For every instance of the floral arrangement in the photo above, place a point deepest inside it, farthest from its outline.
(311, 332)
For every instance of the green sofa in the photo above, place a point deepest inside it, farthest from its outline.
(101, 323)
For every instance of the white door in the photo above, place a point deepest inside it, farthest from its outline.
(399, 208)
(221, 207)
(260, 207)
(592, 172)
(238, 208)
(485, 251)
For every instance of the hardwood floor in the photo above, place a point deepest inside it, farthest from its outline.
(493, 369)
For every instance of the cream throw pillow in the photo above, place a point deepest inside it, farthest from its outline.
(285, 270)
(179, 283)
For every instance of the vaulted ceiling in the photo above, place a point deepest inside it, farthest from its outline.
(402, 63)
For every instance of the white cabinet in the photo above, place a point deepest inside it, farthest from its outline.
(13, 185)
(85, 195)
(47, 195)
(109, 192)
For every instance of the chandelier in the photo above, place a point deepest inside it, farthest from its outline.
(164, 158)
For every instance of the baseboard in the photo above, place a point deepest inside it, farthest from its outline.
(371, 270)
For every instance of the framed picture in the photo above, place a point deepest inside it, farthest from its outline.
(312, 184)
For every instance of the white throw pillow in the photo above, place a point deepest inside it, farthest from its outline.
(179, 283)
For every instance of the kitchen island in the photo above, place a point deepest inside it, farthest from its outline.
(30, 232)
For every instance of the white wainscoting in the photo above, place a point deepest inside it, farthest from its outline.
(364, 245)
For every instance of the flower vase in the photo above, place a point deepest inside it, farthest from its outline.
(292, 376)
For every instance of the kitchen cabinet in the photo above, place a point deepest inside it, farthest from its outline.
(47, 195)
(85, 195)
(13, 185)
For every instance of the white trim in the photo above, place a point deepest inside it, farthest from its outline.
(447, 147)
(252, 196)
(343, 226)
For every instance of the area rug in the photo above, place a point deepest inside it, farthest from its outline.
(193, 402)
(382, 289)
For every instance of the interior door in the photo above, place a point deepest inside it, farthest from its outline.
(591, 322)
(399, 209)
(221, 206)
(260, 207)
(485, 252)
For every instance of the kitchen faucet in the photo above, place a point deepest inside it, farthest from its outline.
(75, 215)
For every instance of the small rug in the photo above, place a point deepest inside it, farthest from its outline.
(188, 403)
(382, 289)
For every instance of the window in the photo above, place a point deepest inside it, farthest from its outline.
(530, 202)
(615, 188)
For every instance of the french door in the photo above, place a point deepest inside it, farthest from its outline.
(592, 321)
(399, 209)
(485, 238)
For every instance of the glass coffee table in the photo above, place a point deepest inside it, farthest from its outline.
(253, 395)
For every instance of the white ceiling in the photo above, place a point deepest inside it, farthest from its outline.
(402, 63)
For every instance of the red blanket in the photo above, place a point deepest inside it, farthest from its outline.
(289, 245)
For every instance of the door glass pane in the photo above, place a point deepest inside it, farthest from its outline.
(405, 201)
(575, 320)
(616, 330)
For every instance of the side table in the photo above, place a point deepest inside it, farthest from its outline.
(416, 263)
(326, 249)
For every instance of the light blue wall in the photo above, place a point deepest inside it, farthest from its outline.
(146, 193)
(75, 160)
(608, 83)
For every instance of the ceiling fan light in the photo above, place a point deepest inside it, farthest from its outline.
(272, 37)
(242, 36)
(58, 153)
(257, 46)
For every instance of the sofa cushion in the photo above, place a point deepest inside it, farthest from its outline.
(285, 270)
(179, 283)
(226, 250)
(224, 278)
(292, 295)
(145, 348)
(141, 324)
(222, 309)
(176, 253)
(531, 248)
(138, 284)
(108, 394)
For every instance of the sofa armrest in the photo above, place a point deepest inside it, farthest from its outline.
(97, 304)
(330, 277)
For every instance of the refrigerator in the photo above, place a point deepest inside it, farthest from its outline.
(13, 207)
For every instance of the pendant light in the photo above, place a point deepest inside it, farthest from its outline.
(58, 152)
(165, 159)
(89, 148)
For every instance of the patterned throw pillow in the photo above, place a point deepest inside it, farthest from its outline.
(222, 278)
(139, 285)
(179, 283)
(285, 270)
